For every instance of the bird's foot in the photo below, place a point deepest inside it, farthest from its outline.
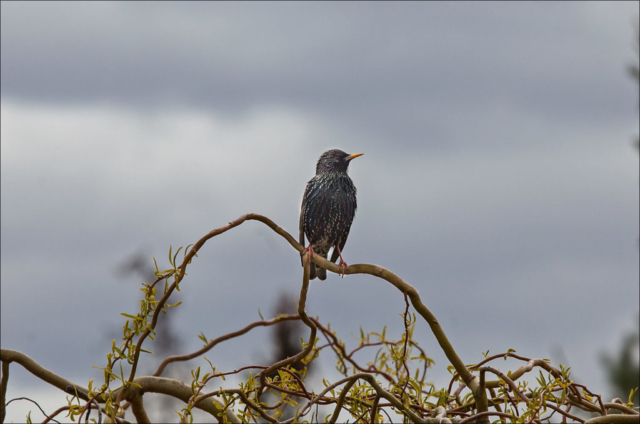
(308, 250)
(342, 266)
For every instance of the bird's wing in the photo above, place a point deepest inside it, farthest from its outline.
(301, 237)
(347, 209)
(301, 226)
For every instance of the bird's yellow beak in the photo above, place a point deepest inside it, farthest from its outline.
(355, 155)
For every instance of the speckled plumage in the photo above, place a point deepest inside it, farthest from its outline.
(328, 207)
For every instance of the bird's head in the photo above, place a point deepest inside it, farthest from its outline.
(334, 161)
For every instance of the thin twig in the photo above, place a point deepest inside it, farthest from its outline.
(404, 347)
(566, 414)
(56, 412)
(221, 339)
(36, 403)
(507, 380)
(342, 355)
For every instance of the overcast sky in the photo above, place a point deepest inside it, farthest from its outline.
(499, 176)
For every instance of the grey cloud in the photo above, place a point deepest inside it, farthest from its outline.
(387, 67)
(497, 174)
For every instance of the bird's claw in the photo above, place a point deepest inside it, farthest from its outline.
(342, 263)
(307, 250)
(342, 266)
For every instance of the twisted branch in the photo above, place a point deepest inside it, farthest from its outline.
(478, 386)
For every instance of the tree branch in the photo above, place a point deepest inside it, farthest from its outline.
(137, 407)
(507, 380)
(56, 412)
(485, 414)
(481, 399)
(221, 339)
(303, 316)
(626, 410)
(166, 386)
(3, 390)
(343, 394)
(615, 419)
(470, 380)
(8, 355)
(35, 403)
(414, 411)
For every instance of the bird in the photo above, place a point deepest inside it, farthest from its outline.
(328, 207)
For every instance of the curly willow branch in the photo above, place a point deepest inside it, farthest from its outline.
(133, 393)
(469, 379)
(377, 271)
(161, 385)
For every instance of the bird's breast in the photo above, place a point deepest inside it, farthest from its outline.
(329, 208)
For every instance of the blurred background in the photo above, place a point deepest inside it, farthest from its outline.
(500, 176)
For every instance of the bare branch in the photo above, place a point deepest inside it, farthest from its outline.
(374, 409)
(345, 391)
(507, 380)
(470, 380)
(615, 419)
(303, 316)
(583, 404)
(34, 402)
(54, 413)
(405, 318)
(8, 355)
(565, 413)
(221, 339)
(326, 390)
(497, 406)
(89, 402)
(481, 399)
(397, 393)
(525, 369)
(137, 407)
(485, 414)
(162, 385)
(3, 390)
(246, 401)
(342, 355)
(175, 388)
(620, 407)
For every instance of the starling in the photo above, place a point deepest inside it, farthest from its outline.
(328, 207)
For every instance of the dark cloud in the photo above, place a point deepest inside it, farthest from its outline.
(399, 69)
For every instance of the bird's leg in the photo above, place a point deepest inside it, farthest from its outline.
(309, 250)
(342, 262)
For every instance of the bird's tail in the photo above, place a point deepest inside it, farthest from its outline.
(317, 270)
(321, 272)
(312, 271)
